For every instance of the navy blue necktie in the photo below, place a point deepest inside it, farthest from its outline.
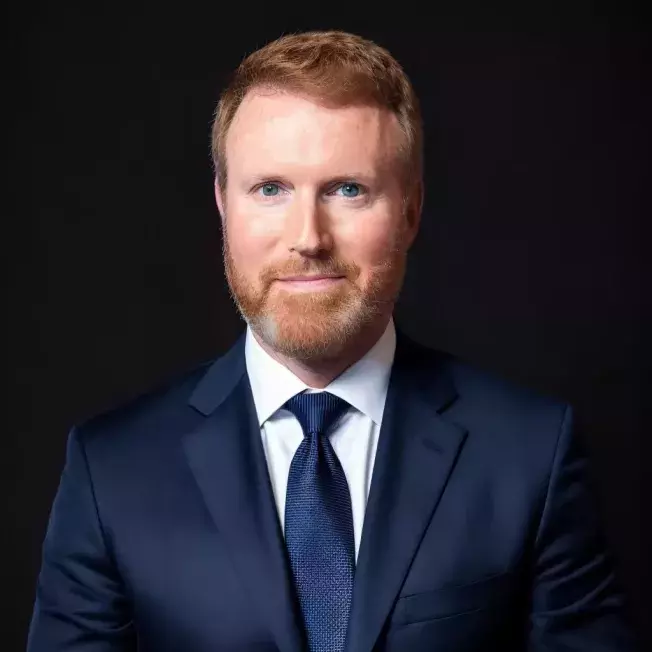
(319, 524)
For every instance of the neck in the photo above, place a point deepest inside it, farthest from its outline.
(318, 373)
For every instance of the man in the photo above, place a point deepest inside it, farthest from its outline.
(328, 484)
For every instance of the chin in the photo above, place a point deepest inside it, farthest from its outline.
(313, 326)
(311, 336)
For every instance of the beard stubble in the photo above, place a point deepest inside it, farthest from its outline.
(315, 325)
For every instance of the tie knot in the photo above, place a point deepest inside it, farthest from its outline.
(316, 412)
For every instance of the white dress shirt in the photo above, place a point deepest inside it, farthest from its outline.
(354, 438)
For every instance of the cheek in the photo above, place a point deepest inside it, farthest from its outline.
(369, 243)
(250, 240)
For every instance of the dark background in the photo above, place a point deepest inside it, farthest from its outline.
(533, 259)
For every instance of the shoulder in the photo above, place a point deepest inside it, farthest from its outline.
(514, 432)
(156, 411)
(160, 413)
(488, 400)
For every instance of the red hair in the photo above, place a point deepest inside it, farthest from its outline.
(333, 67)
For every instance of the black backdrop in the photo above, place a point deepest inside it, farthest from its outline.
(532, 260)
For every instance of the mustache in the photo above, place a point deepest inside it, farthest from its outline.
(299, 266)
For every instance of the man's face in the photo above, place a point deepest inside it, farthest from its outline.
(316, 223)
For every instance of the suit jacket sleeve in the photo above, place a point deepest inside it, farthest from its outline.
(80, 601)
(577, 603)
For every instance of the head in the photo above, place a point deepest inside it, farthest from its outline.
(317, 148)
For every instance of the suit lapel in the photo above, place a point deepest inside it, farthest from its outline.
(226, 456)
(416, 454)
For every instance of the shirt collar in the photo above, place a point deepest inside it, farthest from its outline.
(363, 385)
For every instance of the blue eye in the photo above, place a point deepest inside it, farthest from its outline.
(269, 189)
(350, 190)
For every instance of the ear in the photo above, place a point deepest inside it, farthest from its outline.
(413, 208)
(219, 198)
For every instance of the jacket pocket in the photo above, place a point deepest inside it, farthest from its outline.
(452, 600)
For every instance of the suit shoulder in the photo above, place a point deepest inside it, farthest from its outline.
(162, 408)
(501, 415)
(497, 389)
(489, 389)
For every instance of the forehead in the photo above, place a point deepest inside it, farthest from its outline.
(277, 129)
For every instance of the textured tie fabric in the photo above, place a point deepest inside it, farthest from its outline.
(319, 524)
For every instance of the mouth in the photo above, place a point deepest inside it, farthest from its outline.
(315, 282)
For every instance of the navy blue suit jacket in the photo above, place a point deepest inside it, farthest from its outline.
(481, 532)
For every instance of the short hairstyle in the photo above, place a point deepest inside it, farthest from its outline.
(333, 67)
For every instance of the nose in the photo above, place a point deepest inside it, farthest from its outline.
(307, 230)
